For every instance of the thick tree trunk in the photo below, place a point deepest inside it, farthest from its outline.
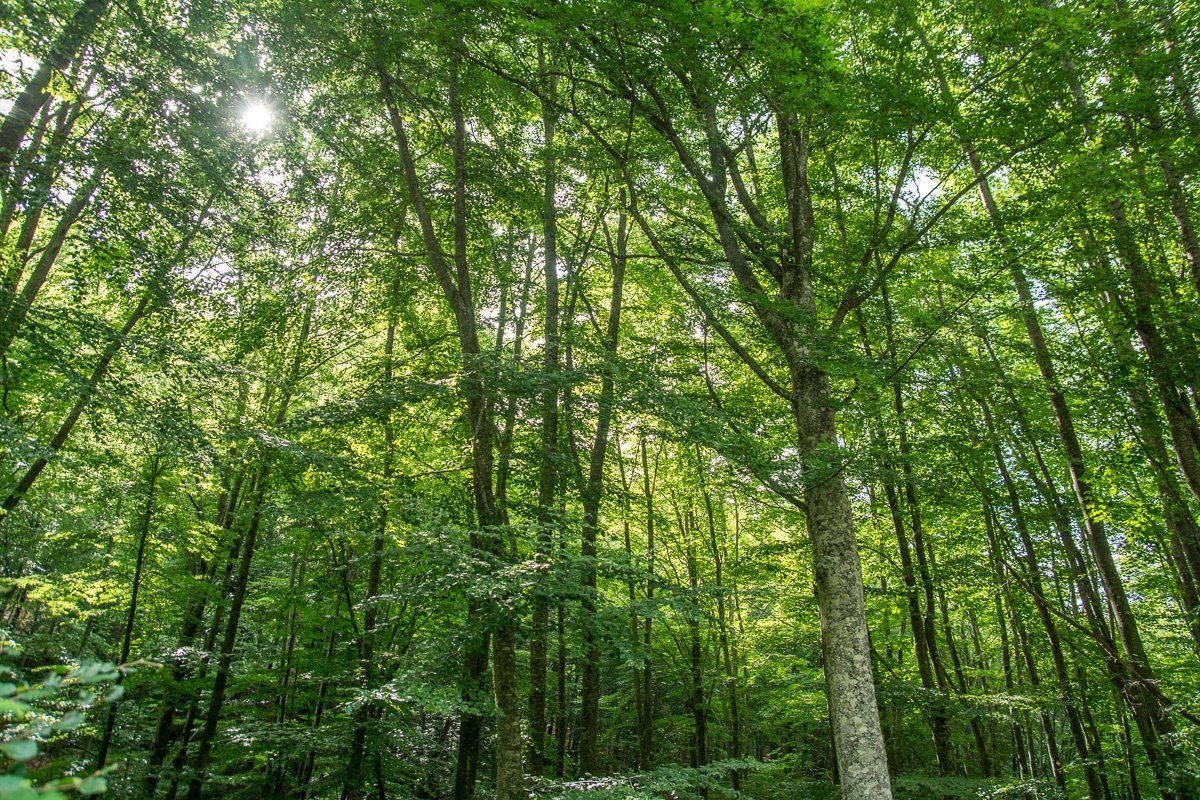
(509, 776)
(854, 715)
(593, 493)
(548, 460)
(36, 92)
(454, 277)
(858, 738)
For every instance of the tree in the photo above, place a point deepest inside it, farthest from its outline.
(437, 400)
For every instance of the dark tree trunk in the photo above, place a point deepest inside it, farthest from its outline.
(593, 491)
(696, 699)
(352, 786)
(646, 732)
(1150, 714)
(548, 460)
(163, 737)
(110, 720)
(731, 680)
(203, 756)
(1033, 575)
(454, 277)
(34, 95)
(201, 760)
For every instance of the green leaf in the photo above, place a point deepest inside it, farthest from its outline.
(96, 672)
(20, 749)
(70, 722)
(96, 784)
(13, 708)
(14, 787)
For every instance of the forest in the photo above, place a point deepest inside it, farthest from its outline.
(629, 399)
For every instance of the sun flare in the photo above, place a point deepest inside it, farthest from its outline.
(256, 116)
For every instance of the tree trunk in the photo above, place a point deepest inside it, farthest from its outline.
(160, 742)
(593, 491)
(35, 93)
(858, 738)
(110, 720)
(38, 191)
(1033, 575)
(1181, 423)
(924, 647)
(696, 699)
(646, 732)
(203, 755)
(548, 460)
(1181, 525)
(854, 714)
(208, 733)
(18, 308)
(731, 681)
(307, 765)
(631, 588)
(352, 786)
(470, 723)
(454, 277)
(1000, 599)
(560, 693)
(1150, 713)
(147, 304)
(85, 397)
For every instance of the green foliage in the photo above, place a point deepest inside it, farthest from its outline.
(248, 427)
(38, 713)
(686, 783)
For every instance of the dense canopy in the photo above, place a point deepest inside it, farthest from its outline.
(539, 398)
